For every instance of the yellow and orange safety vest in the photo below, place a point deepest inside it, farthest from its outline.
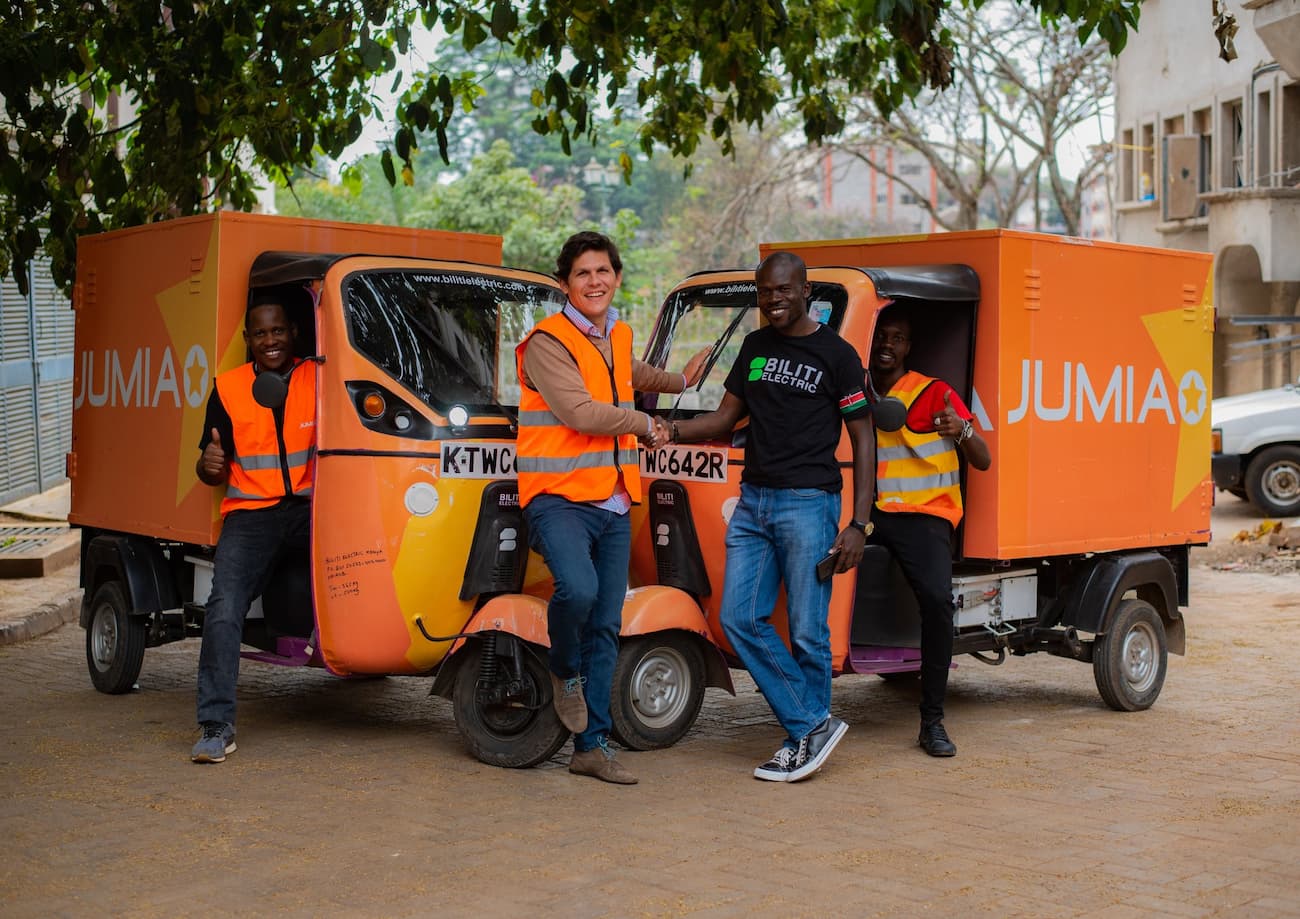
(915, 472)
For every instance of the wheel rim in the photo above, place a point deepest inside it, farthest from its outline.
(512, 718)
(1281, 482)
(1140, 658)
(660, 689)
(103, 637)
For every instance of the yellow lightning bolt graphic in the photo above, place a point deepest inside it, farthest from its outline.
(1183, 338)
(189, 310)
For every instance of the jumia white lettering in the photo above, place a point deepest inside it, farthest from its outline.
(105, 380)
(1079, 394)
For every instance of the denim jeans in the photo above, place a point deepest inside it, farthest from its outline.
(251, 544)
(776, 536)
(922, 546)
(588, 550)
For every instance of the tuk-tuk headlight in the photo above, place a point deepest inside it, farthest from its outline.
(458, 416)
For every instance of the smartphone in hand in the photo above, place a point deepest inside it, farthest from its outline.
(826, 567)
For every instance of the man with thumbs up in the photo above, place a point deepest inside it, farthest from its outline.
(919, 504)
(266, 459)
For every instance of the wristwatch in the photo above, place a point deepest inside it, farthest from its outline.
(864, 528)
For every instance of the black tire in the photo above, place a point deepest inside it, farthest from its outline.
(115, 641)
(658, 690)
(900, 676)
(1239, 493)
(1273, 481)
(517, 734)
(1130, 657)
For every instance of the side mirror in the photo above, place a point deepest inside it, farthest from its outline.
(270, 390)
(890, 413)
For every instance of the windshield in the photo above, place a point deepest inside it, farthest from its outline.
(701, 316)
(447, 336)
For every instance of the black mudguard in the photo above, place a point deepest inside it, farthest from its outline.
(1097, 593)
(138, 563)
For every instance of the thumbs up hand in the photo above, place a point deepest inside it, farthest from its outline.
(946, 421)
(214, 468)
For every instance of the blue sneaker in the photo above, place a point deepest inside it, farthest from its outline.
(218, 739)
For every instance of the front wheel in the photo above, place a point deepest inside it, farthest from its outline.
(506, 718)
(1130, 657)
(658, 690)
(114, 641)
(1273, 481)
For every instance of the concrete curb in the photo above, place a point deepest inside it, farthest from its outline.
(45, 618)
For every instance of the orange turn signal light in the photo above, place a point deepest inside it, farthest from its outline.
(373, 405)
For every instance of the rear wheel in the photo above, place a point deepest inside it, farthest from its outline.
(114, 641)
(1273, 481)
(1130, 657)
(506, 719)
(658, 690)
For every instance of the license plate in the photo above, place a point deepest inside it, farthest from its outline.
(471, 460)
(685, 464)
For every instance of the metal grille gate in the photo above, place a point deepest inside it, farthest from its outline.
(36, 361)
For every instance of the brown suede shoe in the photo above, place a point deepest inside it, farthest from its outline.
(570, 704)
(599, 762)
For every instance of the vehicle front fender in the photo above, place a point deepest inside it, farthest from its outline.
(647, 610)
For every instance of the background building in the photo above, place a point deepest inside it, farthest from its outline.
(1208, 159)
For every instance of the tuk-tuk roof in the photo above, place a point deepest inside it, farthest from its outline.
(274, 268)
(926, 282)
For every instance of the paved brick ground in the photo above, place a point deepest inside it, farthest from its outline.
(357, 798)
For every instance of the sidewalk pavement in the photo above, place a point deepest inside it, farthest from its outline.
(34, 606)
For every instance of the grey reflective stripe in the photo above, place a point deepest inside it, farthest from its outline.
(301, 457)
(303, 492)
(538, 419)
(594, 460)
(233, 492)
(917, 483)
(272, 460)
(265, 461)
(630, 406)
(932, 448)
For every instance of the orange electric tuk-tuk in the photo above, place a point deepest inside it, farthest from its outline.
(419, 561)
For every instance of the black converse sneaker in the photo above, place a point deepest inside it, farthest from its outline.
(815, 748)
(777, 769)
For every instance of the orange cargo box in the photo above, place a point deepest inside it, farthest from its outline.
(159, 312)
(1091, 384)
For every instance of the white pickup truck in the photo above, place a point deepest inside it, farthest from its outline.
(1256, 444)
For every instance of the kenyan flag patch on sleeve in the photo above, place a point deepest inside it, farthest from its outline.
(853, 402)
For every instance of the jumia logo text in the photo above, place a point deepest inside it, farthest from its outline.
(1127, 396)
(145, 379)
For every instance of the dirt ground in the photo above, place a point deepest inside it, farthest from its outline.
(357, 798)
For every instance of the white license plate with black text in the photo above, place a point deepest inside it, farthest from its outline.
(685, 464)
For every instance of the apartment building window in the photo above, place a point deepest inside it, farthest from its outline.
(1203, 127)
(909, 169)
(1264, 139)
(1147, 175)
(907, 198)
(1234, 145)
(1289, 167)
(1127, 165)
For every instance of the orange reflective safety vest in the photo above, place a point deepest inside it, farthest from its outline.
(259, 475)
(553, 459)
(915, 472)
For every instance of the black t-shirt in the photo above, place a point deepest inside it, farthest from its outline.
(798, 391)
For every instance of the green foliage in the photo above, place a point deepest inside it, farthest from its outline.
(211, 96)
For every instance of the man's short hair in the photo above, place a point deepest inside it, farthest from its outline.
(797, 264)
(585, 241)
(898, 313)
(294, 299)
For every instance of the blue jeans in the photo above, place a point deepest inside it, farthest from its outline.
(251, 545)
(588, 550)
(777, 535)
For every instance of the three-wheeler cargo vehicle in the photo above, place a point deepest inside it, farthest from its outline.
(1086, 364)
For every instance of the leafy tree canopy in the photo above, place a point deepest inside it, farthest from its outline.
(214, 94)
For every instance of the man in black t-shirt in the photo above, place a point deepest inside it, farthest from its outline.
(798, 382)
